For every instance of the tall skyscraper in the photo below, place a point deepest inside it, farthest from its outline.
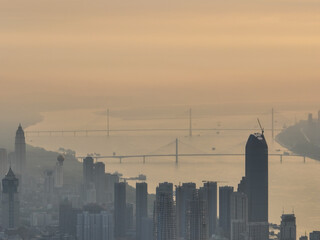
(88, 168)
(10, 201)
(100, 182)
(58, 173)
(111, 179)
(164, 213)
(88, 191)
(184, 194)
(19, 165)
(224, 209)
(239, 216)
(209, 192)
(256, 182)
(120, 207)
(3, 162)
(141, 206)
(288, 229)
(197, 221)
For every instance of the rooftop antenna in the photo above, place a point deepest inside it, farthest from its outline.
(262, 129)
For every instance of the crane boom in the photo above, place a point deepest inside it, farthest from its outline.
(262, 129)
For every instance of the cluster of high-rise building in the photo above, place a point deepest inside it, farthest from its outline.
(101, 207)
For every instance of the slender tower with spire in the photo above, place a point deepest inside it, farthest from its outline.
(19, 165)
(10, 201)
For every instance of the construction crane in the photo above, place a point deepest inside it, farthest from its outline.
(141, 177)
(262, 129)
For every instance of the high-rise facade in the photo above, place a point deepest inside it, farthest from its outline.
(68, 218)
(224, 209)
(164, 213)
(95, 226)
(110, 180)
(100, 182)
(288, 229)
(120, 207)
(88, 190)
(3, 162)
(239, 216)
(10, 201)
(147, 229)
(88, 167)
(256, 184)
(258, 230)
(197, 221)
(48, 187)
(19, 164)
(141, 207)
(184, 194)
(209, 193)
(129, 217)
(315, 235)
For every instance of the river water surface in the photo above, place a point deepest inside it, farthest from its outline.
(293, 184)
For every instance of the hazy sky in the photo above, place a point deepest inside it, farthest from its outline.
(60, 52)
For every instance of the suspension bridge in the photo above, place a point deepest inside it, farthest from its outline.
(176, 155)
(108, 130)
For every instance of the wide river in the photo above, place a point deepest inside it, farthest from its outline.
(293, 184)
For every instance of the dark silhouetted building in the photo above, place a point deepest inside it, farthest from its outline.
(224, 209)
(242, 186)
(209, 193)
(141, 207)
(10, 201)
(164, 213)
(288, 228)
(88, 168)
(120, 210)
(68, 218)
(239, 216)
(88, 187)
(184, 194)
(19, 164)
(315, 235)
(100, 182)
(256, 182)
(197, 221)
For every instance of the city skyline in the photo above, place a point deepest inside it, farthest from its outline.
(159, 120)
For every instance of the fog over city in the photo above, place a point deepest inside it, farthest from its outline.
(159, 120)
